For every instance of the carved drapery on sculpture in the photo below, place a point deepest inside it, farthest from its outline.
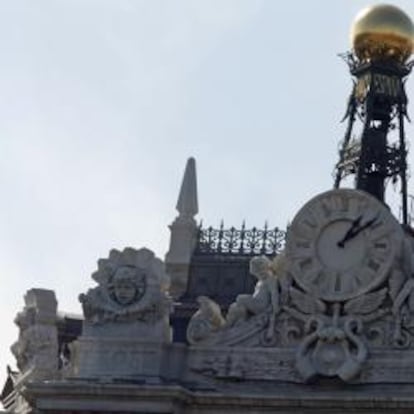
(132, 286)
(249, 313)
(330, 313)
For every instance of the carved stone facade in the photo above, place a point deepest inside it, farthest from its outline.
(36, 350)
(132, 288)
(325, 328)
(126, 318)
(326, 314)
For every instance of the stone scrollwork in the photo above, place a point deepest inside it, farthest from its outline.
(335, 343)
(330, 338)
(23, 349)
(132, 285)
(331, 347)
(207, 320)
(366, 304)
(36, 350)
(334, 323)
(401, 290)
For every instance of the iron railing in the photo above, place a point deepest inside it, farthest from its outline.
(246, 242)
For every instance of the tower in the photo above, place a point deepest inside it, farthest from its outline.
(382, 44)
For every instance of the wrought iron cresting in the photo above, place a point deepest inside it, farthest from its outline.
(245, 242)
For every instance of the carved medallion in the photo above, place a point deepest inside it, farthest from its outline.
(132, 285)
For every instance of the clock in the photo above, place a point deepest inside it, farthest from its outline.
(342, 243)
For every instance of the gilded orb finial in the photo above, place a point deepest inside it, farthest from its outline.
(382, 32)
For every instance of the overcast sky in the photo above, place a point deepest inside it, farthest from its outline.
(102, 102)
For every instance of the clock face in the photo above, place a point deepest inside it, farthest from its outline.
(342, 244)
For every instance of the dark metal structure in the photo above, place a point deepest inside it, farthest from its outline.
(245, 242)
(378, 100)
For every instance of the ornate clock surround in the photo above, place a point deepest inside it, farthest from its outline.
(342, 243)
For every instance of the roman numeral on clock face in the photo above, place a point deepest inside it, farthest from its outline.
(380, 245)
(373, 265)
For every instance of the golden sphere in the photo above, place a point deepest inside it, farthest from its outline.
(382, 32)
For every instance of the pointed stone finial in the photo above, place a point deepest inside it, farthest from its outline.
(184, 232)
(187, 204)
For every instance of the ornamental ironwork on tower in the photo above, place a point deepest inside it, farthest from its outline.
(379, 64)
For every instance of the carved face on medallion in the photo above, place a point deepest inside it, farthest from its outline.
(128, 285)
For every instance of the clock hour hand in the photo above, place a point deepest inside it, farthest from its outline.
(350, 233)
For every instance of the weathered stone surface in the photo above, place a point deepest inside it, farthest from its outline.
(36, 349)
(330, 326)
(117, 358)
(132, 287)
(333, 398)
(292, 345)
(126, 318)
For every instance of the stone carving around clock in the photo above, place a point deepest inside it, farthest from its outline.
(344, 285)
(342, 244)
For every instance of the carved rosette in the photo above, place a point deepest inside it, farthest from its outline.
(132, 285)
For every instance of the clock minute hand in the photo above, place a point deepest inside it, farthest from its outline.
(356, 230)
(350, 233)
(369, 223)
